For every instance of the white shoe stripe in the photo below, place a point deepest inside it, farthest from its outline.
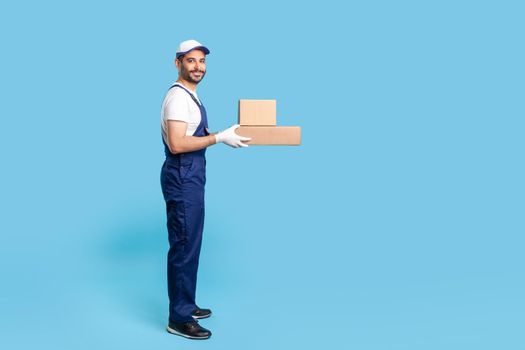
(173, 331)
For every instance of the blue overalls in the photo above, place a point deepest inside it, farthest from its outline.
(183, 177)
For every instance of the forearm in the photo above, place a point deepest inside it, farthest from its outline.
(191, 143)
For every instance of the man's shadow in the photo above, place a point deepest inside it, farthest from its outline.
(133, 255)
(134, 274)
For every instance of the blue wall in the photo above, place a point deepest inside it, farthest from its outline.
(397, 224)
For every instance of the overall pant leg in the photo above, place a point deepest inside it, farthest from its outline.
(183, 189)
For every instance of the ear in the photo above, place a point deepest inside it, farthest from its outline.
(177, 63)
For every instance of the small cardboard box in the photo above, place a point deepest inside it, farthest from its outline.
(271, 135)
(258, 112)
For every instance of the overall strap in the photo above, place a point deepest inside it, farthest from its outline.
(202, 129)
(192, 96)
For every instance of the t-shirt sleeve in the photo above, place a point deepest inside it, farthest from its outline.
(177, 109)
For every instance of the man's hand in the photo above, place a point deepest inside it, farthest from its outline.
(230, 138)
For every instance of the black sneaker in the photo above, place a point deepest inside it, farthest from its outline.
(191, 330)
(201, 313)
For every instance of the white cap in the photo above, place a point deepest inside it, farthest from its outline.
(188, 45)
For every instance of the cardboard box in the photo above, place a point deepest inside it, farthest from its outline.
(258, 112)
(271, 135)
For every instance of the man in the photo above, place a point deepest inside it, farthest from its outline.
(185, 135)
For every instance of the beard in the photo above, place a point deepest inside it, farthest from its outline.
(189, 75)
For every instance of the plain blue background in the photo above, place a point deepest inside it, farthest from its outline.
(397, 224)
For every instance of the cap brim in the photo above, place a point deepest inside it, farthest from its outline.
(202, 48)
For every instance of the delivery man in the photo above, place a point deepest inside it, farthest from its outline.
(185, 135)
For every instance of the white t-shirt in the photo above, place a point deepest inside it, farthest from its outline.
(178, 105)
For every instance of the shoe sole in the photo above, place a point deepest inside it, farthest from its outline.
(173, 331)
(201, 317)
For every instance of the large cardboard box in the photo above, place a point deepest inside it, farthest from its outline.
(271, 135)
(258, 112)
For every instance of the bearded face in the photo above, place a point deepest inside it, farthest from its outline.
(192, 66)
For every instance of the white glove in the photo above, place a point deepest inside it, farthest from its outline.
(230, 138)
